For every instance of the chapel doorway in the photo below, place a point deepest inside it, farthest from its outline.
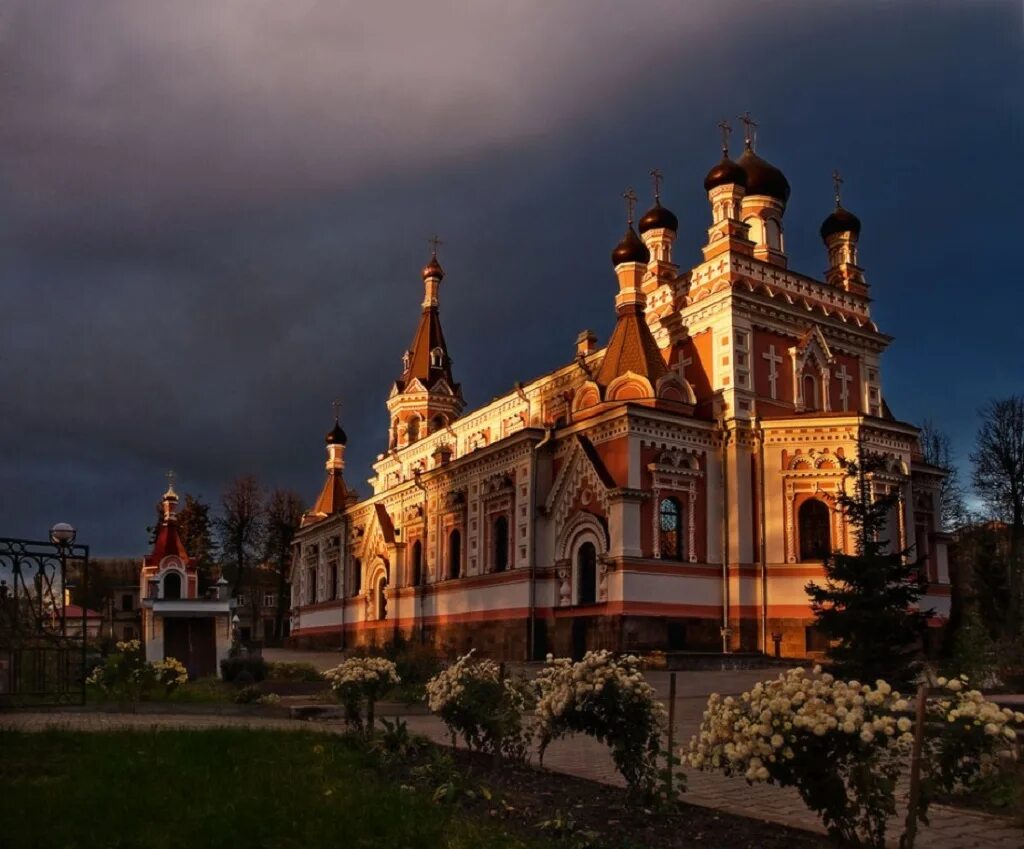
(193, 642)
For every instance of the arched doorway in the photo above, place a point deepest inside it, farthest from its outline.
(172, 585)
(586, 574)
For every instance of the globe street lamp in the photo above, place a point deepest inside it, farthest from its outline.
(62, 534)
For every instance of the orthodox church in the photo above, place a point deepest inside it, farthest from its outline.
(672, 489)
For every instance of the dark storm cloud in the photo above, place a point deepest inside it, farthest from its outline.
(212, 214)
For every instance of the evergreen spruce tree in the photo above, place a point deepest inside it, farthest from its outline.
(868, 605)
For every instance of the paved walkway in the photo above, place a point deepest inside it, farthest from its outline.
(950, 828)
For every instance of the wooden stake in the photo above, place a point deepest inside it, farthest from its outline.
(910, 833)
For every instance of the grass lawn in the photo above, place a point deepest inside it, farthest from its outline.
(225, 787)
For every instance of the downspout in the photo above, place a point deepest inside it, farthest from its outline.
(762, 536)
(418, 588)
(725, 536)
(531, 618)
(345, 577)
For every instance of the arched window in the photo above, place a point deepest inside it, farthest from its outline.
(357, 576)
(311, 586)
(437, 358)
(586, 571)
(417, 563)
(811, 392)
(382, 600)
(670, 529)
(172, 585)
(455, 554)
(815, 530)
(437, 423)
(413, 429)
(773, 234)
(501, 544)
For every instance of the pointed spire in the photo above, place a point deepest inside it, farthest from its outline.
(427, 358)
(167, 541)
(170, 499)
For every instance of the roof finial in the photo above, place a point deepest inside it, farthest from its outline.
(726, 129)
(630, 197)
(434, 242)
(170, 484)
(336, 404)
(656, 176)
(749, 130)
(837, 182)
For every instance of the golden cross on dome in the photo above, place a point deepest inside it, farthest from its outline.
(726, 129)
(749, 126)
(434, 242)
(837, 182)
(170, 480)
(337, 408)
(630, 197)
(656, 176)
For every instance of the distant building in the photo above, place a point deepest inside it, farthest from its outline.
(114, 590)
(176, 621)
(674, 489)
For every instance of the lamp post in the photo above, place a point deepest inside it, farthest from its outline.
(62, 535)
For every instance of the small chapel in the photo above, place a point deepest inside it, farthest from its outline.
(671, 489)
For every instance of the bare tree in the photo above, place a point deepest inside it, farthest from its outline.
(242, 527)
(999, 479)
(284, 515)
(937, 451)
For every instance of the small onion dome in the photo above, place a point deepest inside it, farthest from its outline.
(336, 436)
(630, 249)
(840, 221)
(763, 178)
(659, 218)
(433, 269)
(725, 173)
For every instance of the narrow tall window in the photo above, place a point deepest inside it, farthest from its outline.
(357, 576)
(413, 429)
(382, 599)
(670, 529)
(332, 592)
(811, 393)
(586, 568)
(311, 586)
(501, 544)
(417, 563)
(814, 529)
(455, 554)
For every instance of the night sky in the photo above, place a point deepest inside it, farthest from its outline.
(213, 214)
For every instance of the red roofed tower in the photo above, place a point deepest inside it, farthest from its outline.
(167, 571)
(335, 495)
(426, 397)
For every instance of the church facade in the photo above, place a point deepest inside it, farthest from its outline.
(673, 489)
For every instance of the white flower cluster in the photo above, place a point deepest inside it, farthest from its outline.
(757, 733)
(448, 686)
(566, 686)
(171, 671)
(365, 673)
(129, 646)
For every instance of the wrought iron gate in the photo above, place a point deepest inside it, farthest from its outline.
(42, 636)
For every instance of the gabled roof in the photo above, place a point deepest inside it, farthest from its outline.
(631, 348)
(333, 497)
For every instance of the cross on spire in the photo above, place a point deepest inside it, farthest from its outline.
(837, 182)
(726, 130)
(749, 129)
(630, 197)
(434, 242)
(656, 176)
(336, 404)
(170, 480)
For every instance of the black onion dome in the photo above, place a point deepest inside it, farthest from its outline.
(433, 269)
(630, 249)
(336, 436)
(763, 178)
(659, 218)
(725, 173)
(840, 221)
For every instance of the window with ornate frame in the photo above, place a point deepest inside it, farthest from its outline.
(455, 553)
(814, 530)
(500, 543)
(670, 528)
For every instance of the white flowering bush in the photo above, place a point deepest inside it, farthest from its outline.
(475, 701)
(843, 745)
(609, 699)
(125, 674)
(358, 683)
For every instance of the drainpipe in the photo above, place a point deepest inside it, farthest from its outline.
(725, 536)
(531, 619)
(418, 589)
(762, 535)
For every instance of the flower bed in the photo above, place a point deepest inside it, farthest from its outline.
(358, 683)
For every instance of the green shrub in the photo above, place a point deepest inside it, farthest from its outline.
(293, 671)
(247, 696)
(253, 667)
